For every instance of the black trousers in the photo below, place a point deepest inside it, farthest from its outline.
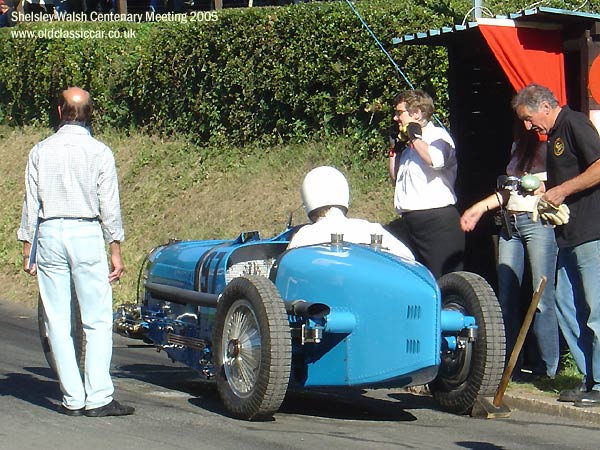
(436, 238)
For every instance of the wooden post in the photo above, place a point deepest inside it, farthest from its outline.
(520, 340)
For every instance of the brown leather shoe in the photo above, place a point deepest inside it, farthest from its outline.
(114, 408)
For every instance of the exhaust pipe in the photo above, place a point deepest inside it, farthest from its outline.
(181, 296)
(173, 294)
(303, 308)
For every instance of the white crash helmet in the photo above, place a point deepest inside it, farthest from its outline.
(325, 186)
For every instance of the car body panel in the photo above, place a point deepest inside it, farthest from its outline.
(396, 314)
(384, 322)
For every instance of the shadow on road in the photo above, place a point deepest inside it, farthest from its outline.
(176, 378)
(31, 388)
(346, 404)
(473, 445)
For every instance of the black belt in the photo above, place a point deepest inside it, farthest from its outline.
(85, 219)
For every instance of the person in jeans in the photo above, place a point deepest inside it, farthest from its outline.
(6, 15)
(525, 242)
(71, 209)
(573, 166)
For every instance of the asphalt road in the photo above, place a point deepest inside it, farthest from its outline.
(176, 411)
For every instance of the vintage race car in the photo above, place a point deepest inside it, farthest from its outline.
(259, 318)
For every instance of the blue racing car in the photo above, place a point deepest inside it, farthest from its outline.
(259, 318)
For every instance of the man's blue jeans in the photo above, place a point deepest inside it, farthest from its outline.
(71, 249)
(535, 242)
(578, 302)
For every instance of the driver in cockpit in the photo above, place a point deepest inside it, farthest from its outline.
(326, 196)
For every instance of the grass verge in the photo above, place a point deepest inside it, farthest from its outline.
(171, 188)
(568, 377)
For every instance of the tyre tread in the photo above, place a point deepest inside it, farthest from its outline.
(271, 388)
(489, 352)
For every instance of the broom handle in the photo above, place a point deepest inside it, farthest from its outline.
(519, 343)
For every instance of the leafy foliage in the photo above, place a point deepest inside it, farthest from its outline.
(270, 75)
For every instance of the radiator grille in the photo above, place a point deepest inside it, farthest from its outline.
(260, 267)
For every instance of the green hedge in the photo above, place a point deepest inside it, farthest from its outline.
(260, 74)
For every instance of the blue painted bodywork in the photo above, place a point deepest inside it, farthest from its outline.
(396, 306)
(385, 327)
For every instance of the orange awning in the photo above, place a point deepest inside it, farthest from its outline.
(528, 55)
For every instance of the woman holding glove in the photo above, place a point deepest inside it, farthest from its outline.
(524, 239)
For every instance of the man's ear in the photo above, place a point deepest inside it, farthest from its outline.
(417, 115)
(59, 112)
(546, 107)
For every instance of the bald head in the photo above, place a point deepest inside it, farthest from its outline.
(74, 105)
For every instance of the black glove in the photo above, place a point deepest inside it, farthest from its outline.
(397, 138)
(414, 131)
(392, 133)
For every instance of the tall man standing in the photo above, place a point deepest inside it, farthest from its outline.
(72, 199)
(573, 166)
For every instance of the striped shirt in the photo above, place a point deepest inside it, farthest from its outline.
(71, 175)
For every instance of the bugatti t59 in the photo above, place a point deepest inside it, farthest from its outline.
(259, 319)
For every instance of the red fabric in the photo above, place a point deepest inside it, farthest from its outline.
(594, 79)
(529, 55)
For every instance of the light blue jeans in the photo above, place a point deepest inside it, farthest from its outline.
(578, 301)
(535, 242)
(74, 249)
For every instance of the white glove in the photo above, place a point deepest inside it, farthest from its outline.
(550, 214)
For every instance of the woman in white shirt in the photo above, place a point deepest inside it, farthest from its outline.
(424, 173)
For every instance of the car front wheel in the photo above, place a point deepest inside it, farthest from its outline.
(252, 348)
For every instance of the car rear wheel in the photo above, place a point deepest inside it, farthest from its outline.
(252, 348)
(76, 333)
(476, 368)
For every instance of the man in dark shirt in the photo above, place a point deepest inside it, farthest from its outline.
(573, 166)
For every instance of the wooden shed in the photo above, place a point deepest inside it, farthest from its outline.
(489, 60)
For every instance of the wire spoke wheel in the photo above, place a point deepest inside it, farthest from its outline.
(252, 348)
(242, 347)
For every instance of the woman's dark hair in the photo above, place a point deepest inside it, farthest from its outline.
(526, 142)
